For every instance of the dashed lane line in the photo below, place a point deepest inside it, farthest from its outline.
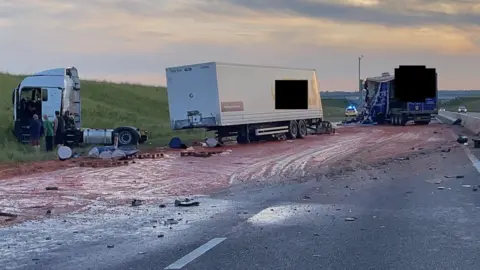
(195, 254)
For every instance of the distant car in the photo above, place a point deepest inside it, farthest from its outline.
(441, 110)
(351, 111)
(462, 109)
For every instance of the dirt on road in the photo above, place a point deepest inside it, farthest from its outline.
(156, 179)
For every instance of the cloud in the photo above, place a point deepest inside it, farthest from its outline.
(117, 38)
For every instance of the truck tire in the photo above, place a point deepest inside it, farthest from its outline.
(126, 136)
(292, 130)
(302, 129)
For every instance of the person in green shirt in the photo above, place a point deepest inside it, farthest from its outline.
(48, 129)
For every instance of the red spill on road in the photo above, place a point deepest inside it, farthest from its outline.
(175, 175)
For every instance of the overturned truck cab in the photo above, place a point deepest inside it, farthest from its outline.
(382, 106)
(48, 91)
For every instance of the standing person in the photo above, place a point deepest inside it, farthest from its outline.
(35, 132)
(59, 129)
(48, 129)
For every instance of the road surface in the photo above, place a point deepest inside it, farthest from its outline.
(408, 202)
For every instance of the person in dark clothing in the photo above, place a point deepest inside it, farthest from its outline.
(35, 131)
(59, 129)
(69, 121)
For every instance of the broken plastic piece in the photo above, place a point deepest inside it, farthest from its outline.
(186, 203)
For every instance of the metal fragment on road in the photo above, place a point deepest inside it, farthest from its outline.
(467, 186)
(350, 219)
(441, 188)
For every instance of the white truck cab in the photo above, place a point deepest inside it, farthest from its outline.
(43, 93)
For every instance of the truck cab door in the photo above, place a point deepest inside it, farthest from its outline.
(51, 101)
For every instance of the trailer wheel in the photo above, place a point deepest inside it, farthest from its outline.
(302, 129)
(292, 130)
(396, 120)
(127, 136)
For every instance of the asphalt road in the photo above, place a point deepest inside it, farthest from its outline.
(413, 213)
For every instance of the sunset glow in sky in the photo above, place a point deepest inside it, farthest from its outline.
(135, 40)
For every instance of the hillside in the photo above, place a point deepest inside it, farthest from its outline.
(104, 105)
(107, 105)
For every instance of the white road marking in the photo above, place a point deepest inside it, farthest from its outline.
(195, 254)
(470, 155)
(473, 158)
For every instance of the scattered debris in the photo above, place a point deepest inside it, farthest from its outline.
(186, 203)
(160, 236)
(199, 154)
(51, 188)
(149, 156)
(446, 150)
(110, 246)
(306, 197)
(475, 189)
(48, 212)
(457, 176)
(441, 188)
(2, 214)
(462, 139)
(176, 143)
(467, 186)
(64, 153)
(476, 143)
(162, 206)
(170, 221)
(350, 219)
(142, 252)
(212, 142)
(136, 202)
(457, 122)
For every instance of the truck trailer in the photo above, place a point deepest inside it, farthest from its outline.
(243, 100)
(58, 89)
(381, 106)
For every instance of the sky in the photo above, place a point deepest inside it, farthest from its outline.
(135, 40)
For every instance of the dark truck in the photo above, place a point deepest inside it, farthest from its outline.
(381, 106)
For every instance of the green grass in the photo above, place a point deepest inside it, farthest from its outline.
(108, 105)
(472, 104)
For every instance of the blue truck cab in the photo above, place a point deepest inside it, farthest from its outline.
(382, 107)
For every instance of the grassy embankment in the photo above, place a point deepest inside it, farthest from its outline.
(107, 105)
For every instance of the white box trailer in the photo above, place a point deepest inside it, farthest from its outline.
(235, 99)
